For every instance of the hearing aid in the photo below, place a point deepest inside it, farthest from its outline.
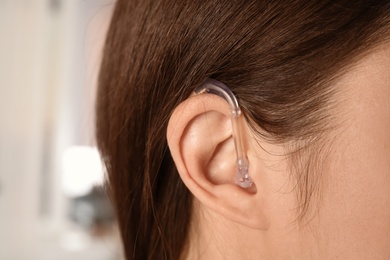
(213, 86)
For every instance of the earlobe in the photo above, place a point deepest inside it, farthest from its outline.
(200, 140)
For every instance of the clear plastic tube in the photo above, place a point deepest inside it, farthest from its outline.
(213, 86)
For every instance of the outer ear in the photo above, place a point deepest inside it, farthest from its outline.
(200, 140)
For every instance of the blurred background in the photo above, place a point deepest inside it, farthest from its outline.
(52, 204)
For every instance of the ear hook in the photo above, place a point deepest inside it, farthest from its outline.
(213, 86)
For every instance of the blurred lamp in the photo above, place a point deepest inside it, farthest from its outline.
(82, 170)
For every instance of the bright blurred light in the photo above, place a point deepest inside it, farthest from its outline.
(82, 170)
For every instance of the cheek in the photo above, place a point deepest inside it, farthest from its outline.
(354, 219)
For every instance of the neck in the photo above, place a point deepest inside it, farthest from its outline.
(214, 237)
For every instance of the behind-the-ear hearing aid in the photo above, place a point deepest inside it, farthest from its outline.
(213, 86)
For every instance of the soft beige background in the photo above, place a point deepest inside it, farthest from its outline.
(49, 58)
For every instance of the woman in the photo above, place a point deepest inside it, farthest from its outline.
(313, 81)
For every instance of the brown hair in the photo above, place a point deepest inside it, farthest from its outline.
(278, 57)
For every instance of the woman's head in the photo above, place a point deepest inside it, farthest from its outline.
(301, 72)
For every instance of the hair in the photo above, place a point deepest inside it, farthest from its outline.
(278, 57)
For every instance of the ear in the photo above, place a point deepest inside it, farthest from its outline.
(200, 139)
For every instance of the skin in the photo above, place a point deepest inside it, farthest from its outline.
(354, 219)
(351, 218)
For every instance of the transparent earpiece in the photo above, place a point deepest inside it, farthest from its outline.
(215, 87)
